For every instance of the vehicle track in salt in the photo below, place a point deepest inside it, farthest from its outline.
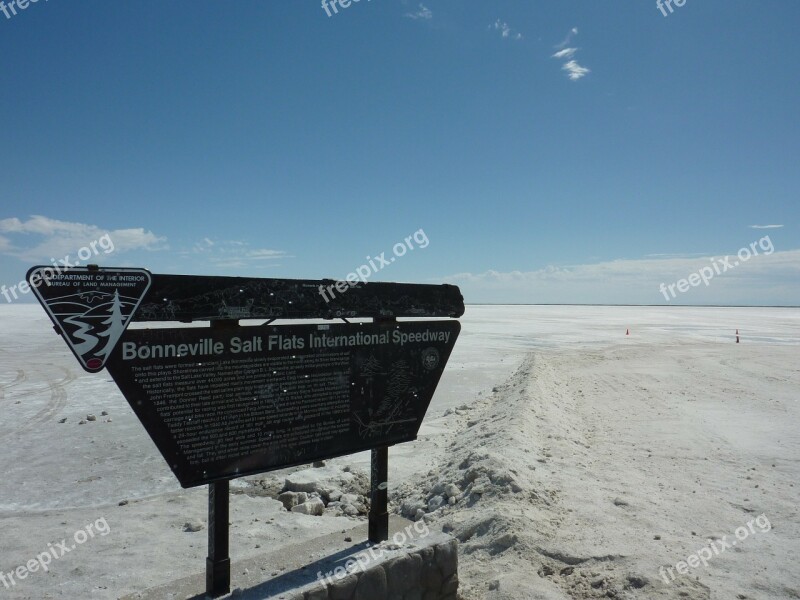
(19, 379)
(56, 402)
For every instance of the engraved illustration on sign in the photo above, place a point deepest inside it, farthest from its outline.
(91, 308)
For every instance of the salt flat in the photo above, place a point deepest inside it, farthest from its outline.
(585, 459)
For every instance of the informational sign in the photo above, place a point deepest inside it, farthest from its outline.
(223, 403)
(90, 308)
(227, 400)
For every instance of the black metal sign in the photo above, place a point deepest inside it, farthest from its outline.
(222, 403)
(90, 308)
(192, 298)
(225, 401)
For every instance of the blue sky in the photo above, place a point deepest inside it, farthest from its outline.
(568, 152)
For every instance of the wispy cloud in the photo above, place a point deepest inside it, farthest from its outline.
(234, 254)
(567, 40)
(636, 281)
(676, 255)
(765, 226)
(505, 30)
(42, 238)
(575, 71)
(565, 53)
(424, 13)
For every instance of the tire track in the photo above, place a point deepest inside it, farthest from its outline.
(55, 403)
(19, 379)
(58, 398)
(67, 379)
(21, 376)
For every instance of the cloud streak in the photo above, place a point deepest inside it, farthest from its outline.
(635, 281)
(567, 40)
(234, 254)
(575, 71)
(505, 30)
(423, 13)
(565, 53)
(41, 238)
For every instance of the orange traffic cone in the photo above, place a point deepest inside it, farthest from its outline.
(737, 336)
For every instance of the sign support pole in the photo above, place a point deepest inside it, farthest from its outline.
(379, 496)
(379, 487)
(218, 563)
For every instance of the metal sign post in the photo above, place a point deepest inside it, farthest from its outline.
(379, 484)
(379, 496)
(218, 563)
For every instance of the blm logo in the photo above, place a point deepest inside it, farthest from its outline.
(90, 308)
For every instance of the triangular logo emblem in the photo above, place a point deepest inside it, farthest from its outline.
(91, 308)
